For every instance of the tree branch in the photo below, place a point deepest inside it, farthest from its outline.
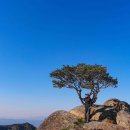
(79, 95)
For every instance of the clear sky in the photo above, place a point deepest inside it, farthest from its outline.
(38, 36)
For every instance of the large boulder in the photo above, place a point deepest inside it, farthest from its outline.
(78, 111)
(119, 105)
(104, 113)
(123, 119)
(58, 120)
(98, 113)
(111, 102)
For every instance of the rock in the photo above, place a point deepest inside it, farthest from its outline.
(112, 115)
(123, 119)
(58, 120)
(98, 113)
(78, 111)
(119, 105)
(111, 102)
(94, 125)
(104, 113)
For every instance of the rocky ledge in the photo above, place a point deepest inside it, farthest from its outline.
(111, 115)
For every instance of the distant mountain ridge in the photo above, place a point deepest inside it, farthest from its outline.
(36, 122)
(25, 126)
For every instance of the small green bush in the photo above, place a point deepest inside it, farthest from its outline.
(79, 121)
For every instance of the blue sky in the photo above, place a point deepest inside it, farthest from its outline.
(37, 37)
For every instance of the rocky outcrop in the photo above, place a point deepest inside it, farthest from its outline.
(119, 105)
(78, 111)
(94, 125)
(111, 115)
(58, 120)
(25, 126)
(98, 113)
(123, 119)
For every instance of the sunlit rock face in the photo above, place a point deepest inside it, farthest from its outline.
(111, 115)
(58, 120)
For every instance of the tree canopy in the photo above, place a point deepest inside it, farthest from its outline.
(83, 76)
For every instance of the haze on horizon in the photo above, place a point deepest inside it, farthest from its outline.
(37, 37)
